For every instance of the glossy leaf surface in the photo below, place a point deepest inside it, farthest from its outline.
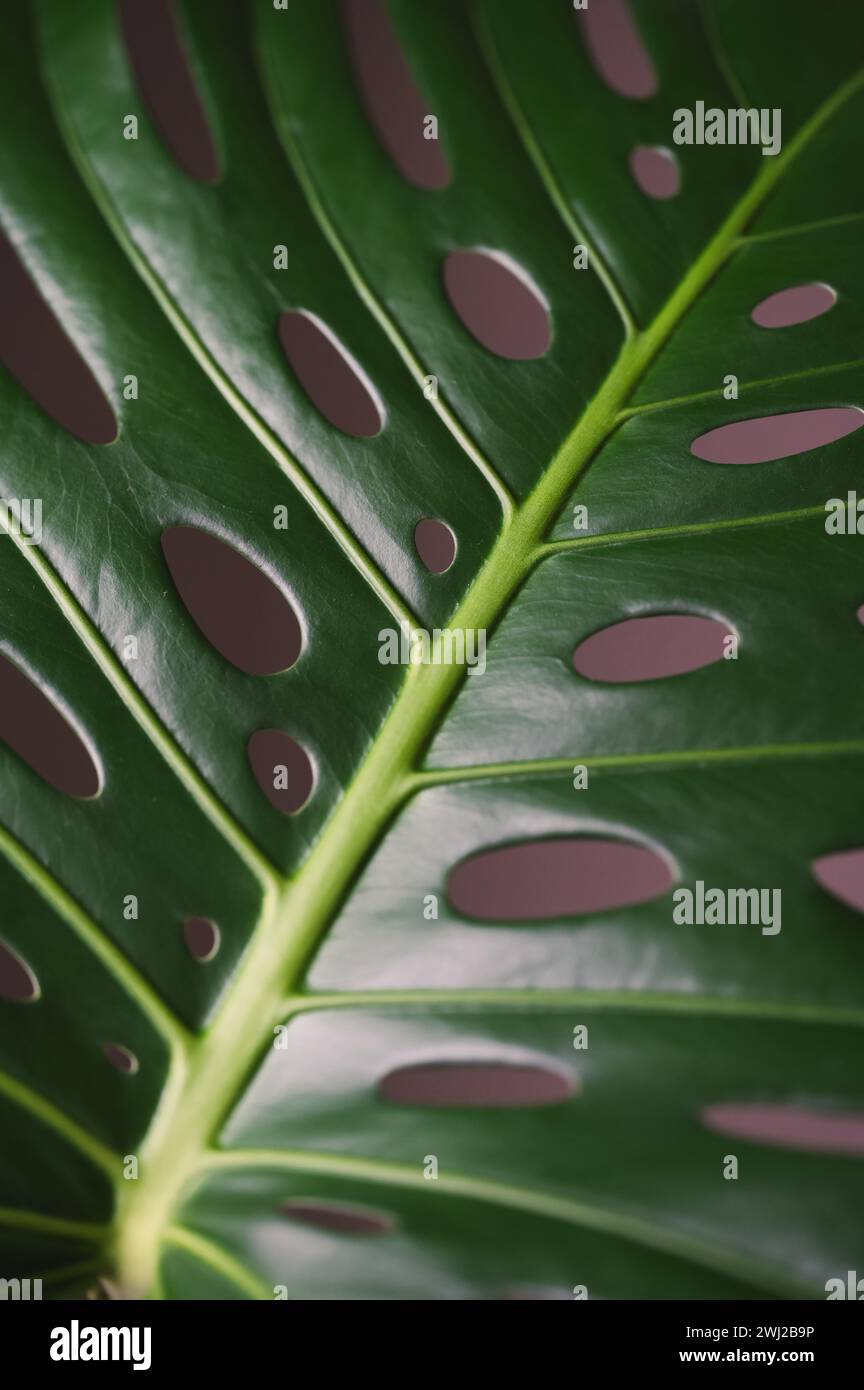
(275, 1155)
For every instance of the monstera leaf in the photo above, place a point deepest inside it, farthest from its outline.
(327, 976)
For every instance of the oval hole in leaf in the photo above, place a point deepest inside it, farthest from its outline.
(38, 732)
(18, 983)
(275, 757)
(538, 880)
(769, 437)
(239, 609)
(789, 1126)
(335, 1216)
(330, 377)
(616, 49)
(647, 649)
(390, 94)
(477, 1085)
(167, 86)
(201, 937)
(534, 1293)
(121, 1058)
(798, 304)
(34, 348)
(842, 875)
(436, 544)
(497, 304)
(655, 171)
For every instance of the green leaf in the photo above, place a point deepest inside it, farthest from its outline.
(256, 1151)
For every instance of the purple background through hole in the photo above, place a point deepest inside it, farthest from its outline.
(395, 106)
(611, 35)
(644, 649)
(797, 304)
(34, 348)
(167, 86)
(18, 984)
(41, 735)
(655, 171)
(237, 607)
(500, 309)
(327, 376)
(536, 880)
(768, 437)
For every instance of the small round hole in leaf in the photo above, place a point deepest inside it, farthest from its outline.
(201, 937)
(18, 983)
(121, 1058)
(283, 770)
(535, 1293)
(436, 544)
(655, 171)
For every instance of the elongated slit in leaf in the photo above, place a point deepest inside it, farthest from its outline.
(393, 102)
(338, 1217)
(789, 1126)
(537, 880)
(651, 648)
(494, 1085)
(768, 437)
(37, 352)
(334, 383)
(167, 86)
(616, 49)
(238, 608)
(797, 304)
(40, 733)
